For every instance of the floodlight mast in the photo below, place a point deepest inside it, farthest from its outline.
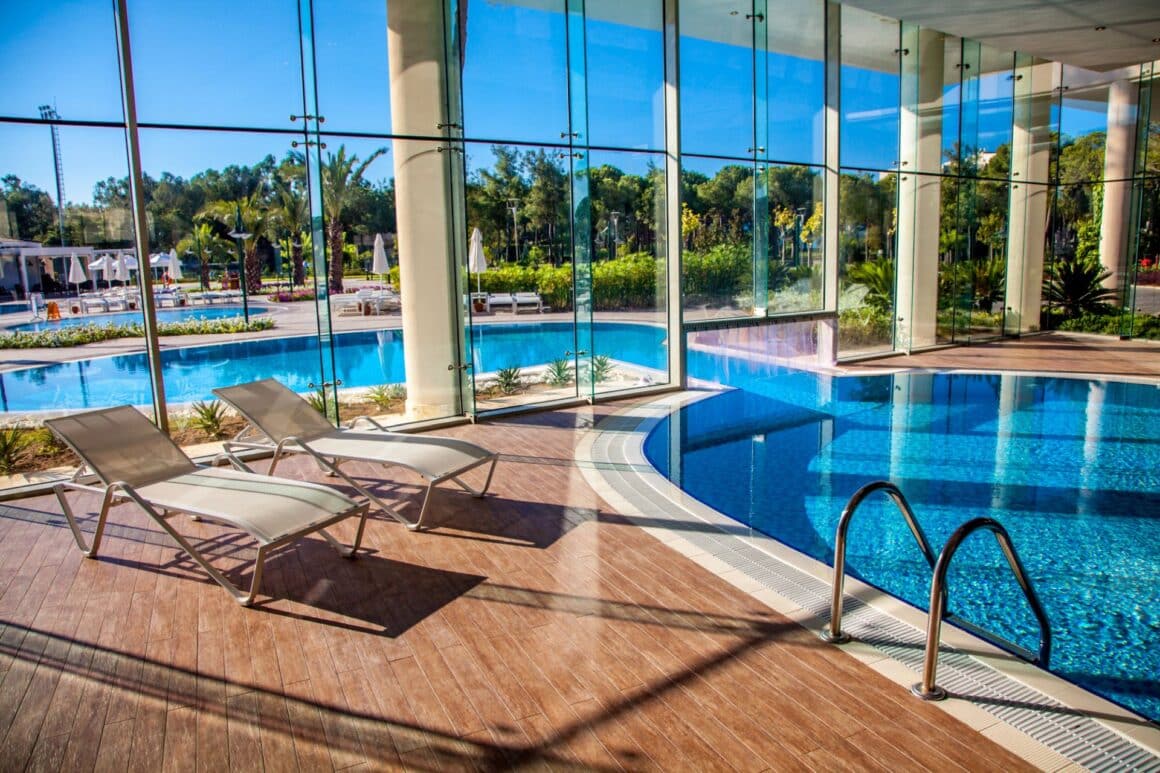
(48, 113)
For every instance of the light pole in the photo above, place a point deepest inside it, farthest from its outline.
(239, 234)
(48, 113)
(514, 206)
(614, 221)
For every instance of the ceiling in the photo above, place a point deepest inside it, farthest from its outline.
(1060, 30)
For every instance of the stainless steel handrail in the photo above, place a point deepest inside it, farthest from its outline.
(927, 689)
(833, 632)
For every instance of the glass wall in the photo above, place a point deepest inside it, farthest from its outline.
(868, 193)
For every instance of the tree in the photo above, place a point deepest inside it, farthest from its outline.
(342, 177)
(31, 214)
(290, 211)
(206, 244)
(1077, 286)
(257, 223)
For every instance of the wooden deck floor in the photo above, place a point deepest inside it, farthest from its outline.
(534, 628)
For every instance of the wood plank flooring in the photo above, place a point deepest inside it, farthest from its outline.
(535, 628)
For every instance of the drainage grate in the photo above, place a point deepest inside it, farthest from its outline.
(617, 462)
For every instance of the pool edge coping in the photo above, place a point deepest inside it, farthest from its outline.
(596, 466)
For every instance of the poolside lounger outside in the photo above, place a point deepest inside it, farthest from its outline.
(501, 300)
(133, 460)
(289, 424)
(91, 304)
(527, 301)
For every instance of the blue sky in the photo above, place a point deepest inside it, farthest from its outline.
(224, 63)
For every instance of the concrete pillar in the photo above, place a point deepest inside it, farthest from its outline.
(424, 207)
(678, 368)
(1119, 156)
(920, 149)
(1030, 195)
(828, 328)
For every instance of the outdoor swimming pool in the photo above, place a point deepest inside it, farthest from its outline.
(362, 359)
(1071, 467)
(128, 317)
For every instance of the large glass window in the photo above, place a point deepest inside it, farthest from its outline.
(867, 260)
(717, 234)
(717, 85)
(795, 70)
(870, 90)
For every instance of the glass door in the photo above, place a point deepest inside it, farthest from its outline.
(527, 303)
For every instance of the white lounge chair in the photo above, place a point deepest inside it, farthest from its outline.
(502, 301)
(133, 460)
(90, 304)
(531, 301)
(289, 424)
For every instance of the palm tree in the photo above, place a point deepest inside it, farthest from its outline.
(1077, 285)
(291, 213)
(205, 243)
(342, 176)
(257, 223)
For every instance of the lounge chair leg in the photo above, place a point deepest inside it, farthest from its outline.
(479, 493)
(78, 535)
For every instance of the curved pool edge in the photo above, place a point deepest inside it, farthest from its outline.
(1026, 709)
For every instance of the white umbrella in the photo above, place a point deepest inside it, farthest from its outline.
(76, 273)
(104, 264)
(174, 266)
(476, 260)
(380, 264)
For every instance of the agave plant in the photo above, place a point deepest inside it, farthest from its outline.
(601, 368)
(386, 395)
(1077, 286)
(13, 448)
(509, 380)
(209, 417)
(559, 373)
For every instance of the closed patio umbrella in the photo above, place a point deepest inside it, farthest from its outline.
(121, 268)
(76, 273)
(174, 266)
(476, 260)
(380, 264)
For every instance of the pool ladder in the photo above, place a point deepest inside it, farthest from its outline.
(927, 689)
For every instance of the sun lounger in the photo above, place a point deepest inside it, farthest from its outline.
(289, 424)
(133, 460)
(502, 301)
(530, 301)
(93, 304)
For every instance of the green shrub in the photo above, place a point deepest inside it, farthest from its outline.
(722, 272)
(877, 276)
(92, 333)
(626, 283)
(865, 326)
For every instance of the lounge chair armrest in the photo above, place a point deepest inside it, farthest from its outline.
(354, 423)
(228, 455)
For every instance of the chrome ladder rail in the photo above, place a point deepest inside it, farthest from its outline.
(833, 632)
(927, 689)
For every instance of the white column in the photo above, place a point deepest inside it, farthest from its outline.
(424, 208)
(828, 329)
(678, 360)
(1119, 156)
(920, 149)
(1030, 197)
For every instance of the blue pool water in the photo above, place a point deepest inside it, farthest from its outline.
(128, 317)
(365, 358)
(1070, 467)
